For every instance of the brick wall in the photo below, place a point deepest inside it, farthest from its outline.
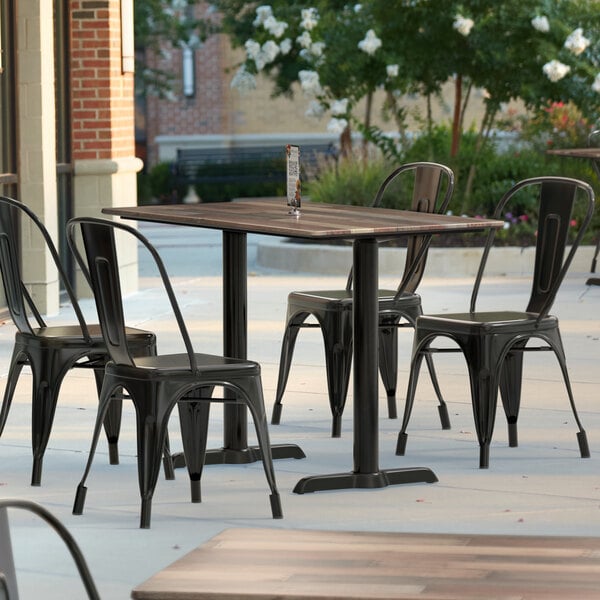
(102, 96)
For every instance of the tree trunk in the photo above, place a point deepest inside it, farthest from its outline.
(346, 143)
(482, 136)
(368, 111)
(456, 120)
(430, 127)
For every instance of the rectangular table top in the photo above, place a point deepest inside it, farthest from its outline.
(280, 564)
(316, 220)
(591, 153)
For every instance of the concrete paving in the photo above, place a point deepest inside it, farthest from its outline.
(541, 487)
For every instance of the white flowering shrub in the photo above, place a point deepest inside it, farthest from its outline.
(335, 55)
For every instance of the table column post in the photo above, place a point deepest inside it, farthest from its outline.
(365, 326)
(235, 329)
(235, 448)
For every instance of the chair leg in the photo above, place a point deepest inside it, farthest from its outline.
(415, 367)
(112, 421)
(12, 379)
(253, 397)
(484, 396)
(103, 402)
(193, 419)
(285, 362)
(168, 466)
(153, 407)
(388, 363)
(556, 343)
(511, 376)
(48, 370)
(442, 406)
(337, 337)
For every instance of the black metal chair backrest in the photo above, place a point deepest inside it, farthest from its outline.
(557, 198)
(61, 530)
(428, 181)
(102, 270)
(21, 305)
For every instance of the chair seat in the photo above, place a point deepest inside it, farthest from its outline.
(342, 299)
(179, 365)
(479, 323)
(74, 334)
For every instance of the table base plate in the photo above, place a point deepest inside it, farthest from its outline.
(229, 456)
(342, 481)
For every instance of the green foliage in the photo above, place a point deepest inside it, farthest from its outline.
(159, 185)
(349, 181)
(242, 179)
(162, 24)
(557, 125)
(355, 182)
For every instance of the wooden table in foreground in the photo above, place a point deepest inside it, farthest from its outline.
(280, 564)
(365, 227)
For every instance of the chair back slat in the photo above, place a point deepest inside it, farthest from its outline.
(20, 303)
(11, 271)
(427, 185)
(556, 202)
(101, 268)
(428, 181)
(103, 272)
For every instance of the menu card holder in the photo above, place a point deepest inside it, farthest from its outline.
(293, 179)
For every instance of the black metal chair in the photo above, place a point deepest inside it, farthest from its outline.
(50, 351)
(332, 309)
(8, 584)
(156, 384)
(493, 342)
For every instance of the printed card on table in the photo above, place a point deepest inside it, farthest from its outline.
(293, 177)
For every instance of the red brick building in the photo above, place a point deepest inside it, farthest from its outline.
(67, 123)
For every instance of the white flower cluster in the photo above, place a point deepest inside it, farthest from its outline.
(261, 55)
(577, 42)
(392, 71)
(555, 70)
(337, 126)
(310, 49)
(541, 23)
(243, 81)
(268, 52)
(309, 82)
(265, 17)
(310, 18)
(370, 44)
(463, 25)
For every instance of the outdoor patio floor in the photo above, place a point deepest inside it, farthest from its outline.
(542, 487)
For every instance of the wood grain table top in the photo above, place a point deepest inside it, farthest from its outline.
(280, 564)
(590, 153)
(316, 220)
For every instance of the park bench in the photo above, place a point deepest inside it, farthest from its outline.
(251, 164)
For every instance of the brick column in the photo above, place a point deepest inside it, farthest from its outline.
(104, 159)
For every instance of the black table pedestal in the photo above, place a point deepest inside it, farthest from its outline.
(235, 448)
(365, 318)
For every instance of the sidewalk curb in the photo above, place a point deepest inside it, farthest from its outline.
(329, 259)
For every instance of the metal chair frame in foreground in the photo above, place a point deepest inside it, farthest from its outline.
(493, 343)
(8, 583)
(50, 351)
(332, 309)
(156, 384)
